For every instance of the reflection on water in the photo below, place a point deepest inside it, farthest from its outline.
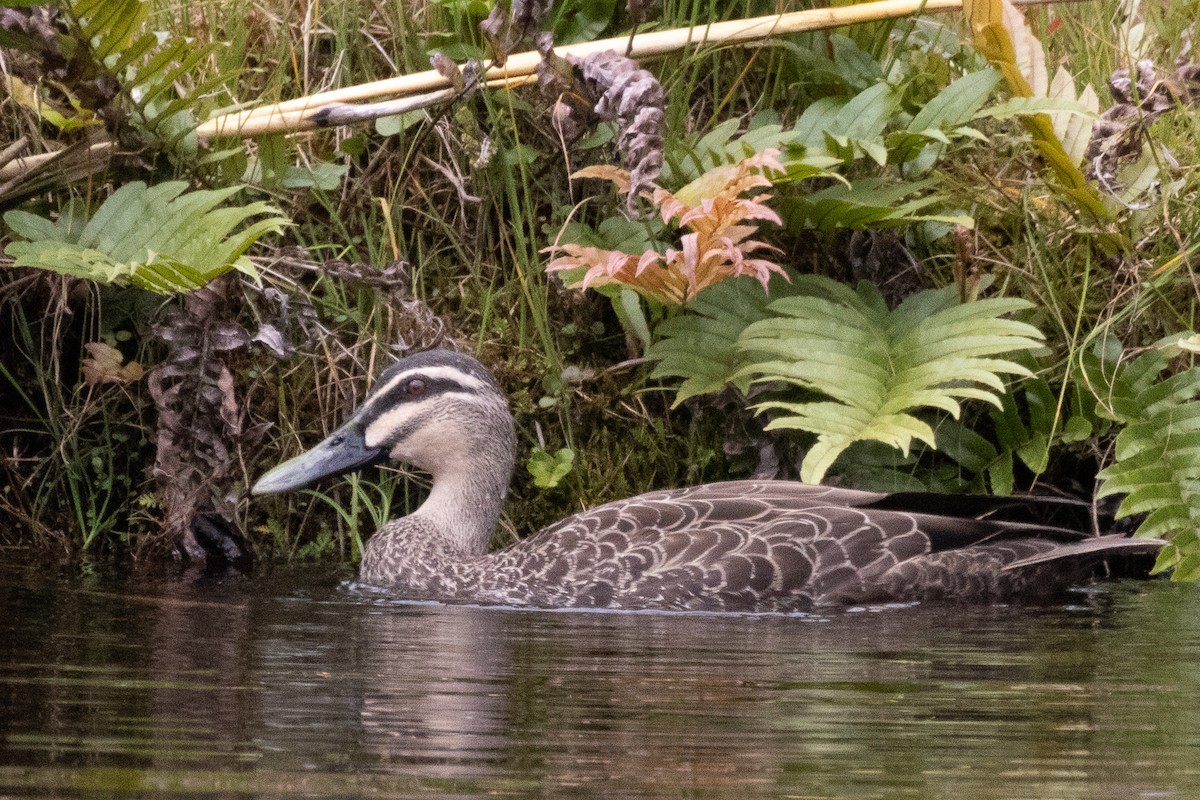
(293, 686)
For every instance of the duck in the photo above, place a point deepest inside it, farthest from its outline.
(738, 545)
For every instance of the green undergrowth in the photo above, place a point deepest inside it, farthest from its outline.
(909, 185)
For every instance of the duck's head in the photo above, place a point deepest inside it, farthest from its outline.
(440, 411)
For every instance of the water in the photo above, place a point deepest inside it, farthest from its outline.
(294, 686)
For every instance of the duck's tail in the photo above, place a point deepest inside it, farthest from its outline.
(1113, 544)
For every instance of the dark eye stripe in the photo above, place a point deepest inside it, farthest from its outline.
(435, 386)
(397, 395)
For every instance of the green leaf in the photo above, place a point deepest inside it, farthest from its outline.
(31, 226)
(957, 104)
(322, 175)
(1157, 453)
(161, 238)
(685, 161)
(859, 67)
(1021, 106)
(628, 307)
(701, 346)
(548, 470)
(1000, 474)
(398, 123)
(869, 203)
(878, 366)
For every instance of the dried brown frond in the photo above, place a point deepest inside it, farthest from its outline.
(633, 98)
(1119, 134)
(639, 10)
(198, 415)
(572, 113)
(106, 364)
(506, 32)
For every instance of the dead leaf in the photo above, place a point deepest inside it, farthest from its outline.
(607, 172)
(633, 98)
(448, 69)
(105, 366)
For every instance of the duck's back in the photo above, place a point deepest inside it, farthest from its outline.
(773, 545)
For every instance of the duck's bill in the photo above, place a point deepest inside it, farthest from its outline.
(344, 451)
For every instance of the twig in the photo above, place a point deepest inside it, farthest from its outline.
(82, 159)
(13, 150)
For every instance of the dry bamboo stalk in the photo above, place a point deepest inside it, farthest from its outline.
(98, 153)
(644, 45)
(331, 114)
(307, 119)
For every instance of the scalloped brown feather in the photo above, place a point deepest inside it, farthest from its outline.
(751, 546)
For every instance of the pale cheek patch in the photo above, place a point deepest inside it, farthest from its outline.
(428, 448)
(382, 427)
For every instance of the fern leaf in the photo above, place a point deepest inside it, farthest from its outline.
(701, 347)
(31, 226)
(722, 146)
(161, 237)
(878, 366)
(869, 203)
(1157, 453)
(924, 141)
(110, 24)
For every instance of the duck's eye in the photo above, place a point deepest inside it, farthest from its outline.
(415, 387)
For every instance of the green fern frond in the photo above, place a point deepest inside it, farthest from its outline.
(155, 72)
(1157, 453)
(109, 25)
(726, 143)
(702, 346)
(880, 366)
(159, 237)
(869, 203)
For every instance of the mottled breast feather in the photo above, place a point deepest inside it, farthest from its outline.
(748, 546)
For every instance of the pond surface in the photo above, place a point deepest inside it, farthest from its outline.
(293, 685)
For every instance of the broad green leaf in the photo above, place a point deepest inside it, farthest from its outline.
(701, 345)
(1157, 453)
(31, 226)
(957, 104)
(1022, 106)
(879, 366)
(161, 238)
(548, 469)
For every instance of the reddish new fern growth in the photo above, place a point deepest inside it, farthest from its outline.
(717, 247)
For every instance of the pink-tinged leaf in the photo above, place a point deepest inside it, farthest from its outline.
(691, 254)
(670, 206)
(767, 161)
(717, 245)
(762, 269)
(649, 258)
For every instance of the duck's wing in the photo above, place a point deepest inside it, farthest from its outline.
(747, 545)
(774, 545)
